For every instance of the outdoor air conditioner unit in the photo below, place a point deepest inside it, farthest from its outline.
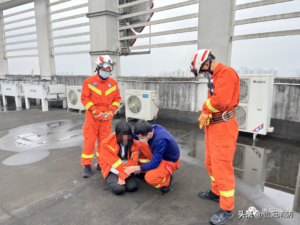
(255, 104)
(13, 88)
(141, 104)
(74, 98)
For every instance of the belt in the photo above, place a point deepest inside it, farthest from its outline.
(103, 108)
(225, 117)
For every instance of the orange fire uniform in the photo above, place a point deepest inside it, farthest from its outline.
(159, 177)
(103, 95)
(220, 138)
(109, 156)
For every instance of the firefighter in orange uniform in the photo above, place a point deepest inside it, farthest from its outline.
(100, 96)
(218, 114)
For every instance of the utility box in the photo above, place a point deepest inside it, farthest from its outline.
(255, 103)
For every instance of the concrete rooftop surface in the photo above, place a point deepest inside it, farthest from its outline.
(41, 183)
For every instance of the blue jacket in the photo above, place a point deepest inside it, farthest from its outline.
(163, 146)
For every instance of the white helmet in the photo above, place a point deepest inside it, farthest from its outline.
(104, 61)
(199, 59)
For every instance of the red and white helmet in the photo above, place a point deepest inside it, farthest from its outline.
(199, 59)
(104, 61)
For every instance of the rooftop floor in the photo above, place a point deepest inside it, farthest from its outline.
(41, 183)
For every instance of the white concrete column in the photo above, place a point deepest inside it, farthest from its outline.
(27, 103)
(3, 60)
(46, 60)
(216, 26)
(18, 101)
(104, 32)
(64, 104)
(45, 105)
(4, 100)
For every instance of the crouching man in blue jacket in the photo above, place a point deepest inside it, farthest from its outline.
(158, 164)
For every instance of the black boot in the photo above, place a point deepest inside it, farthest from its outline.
(168, 188)
(209, 195)
(140, 176)
(221, 217)
(87, 171)
(98, 167)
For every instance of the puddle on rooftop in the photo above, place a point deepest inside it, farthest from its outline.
(54, 124)
(33, 142)
(267, 172)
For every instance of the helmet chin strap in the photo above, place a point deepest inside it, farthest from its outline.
(97, 69)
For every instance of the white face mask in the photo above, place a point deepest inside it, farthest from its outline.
(145, 140)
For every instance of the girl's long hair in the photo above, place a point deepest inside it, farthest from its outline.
(125, 127)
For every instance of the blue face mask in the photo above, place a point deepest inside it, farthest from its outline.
(104, 75)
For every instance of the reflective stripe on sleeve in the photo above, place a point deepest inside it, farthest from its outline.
(97, 154)
(144, 160)
(88, 105)
(87, 156)
(227, 193)
(132, 155)
(212, 178)
(116, 104)
(210, 107)
(116, 164)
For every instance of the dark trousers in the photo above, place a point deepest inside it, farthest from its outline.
(131, 184)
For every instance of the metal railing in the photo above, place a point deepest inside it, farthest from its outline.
(195, 15)
(168, 20)
(265, 19)
(162, 21)
(82, 15)
(259, 3)
(160, 9)
(6, 37)
(125, 26)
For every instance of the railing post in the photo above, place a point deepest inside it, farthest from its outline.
(46, 59)
(104, 33)
(3, 59)
(216, 26)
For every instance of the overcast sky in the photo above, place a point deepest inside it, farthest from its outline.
(278, 53)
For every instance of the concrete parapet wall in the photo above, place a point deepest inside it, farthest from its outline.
(184, 94)
(71, 80)
(188, 94)
(286, 99)
(181, 98)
